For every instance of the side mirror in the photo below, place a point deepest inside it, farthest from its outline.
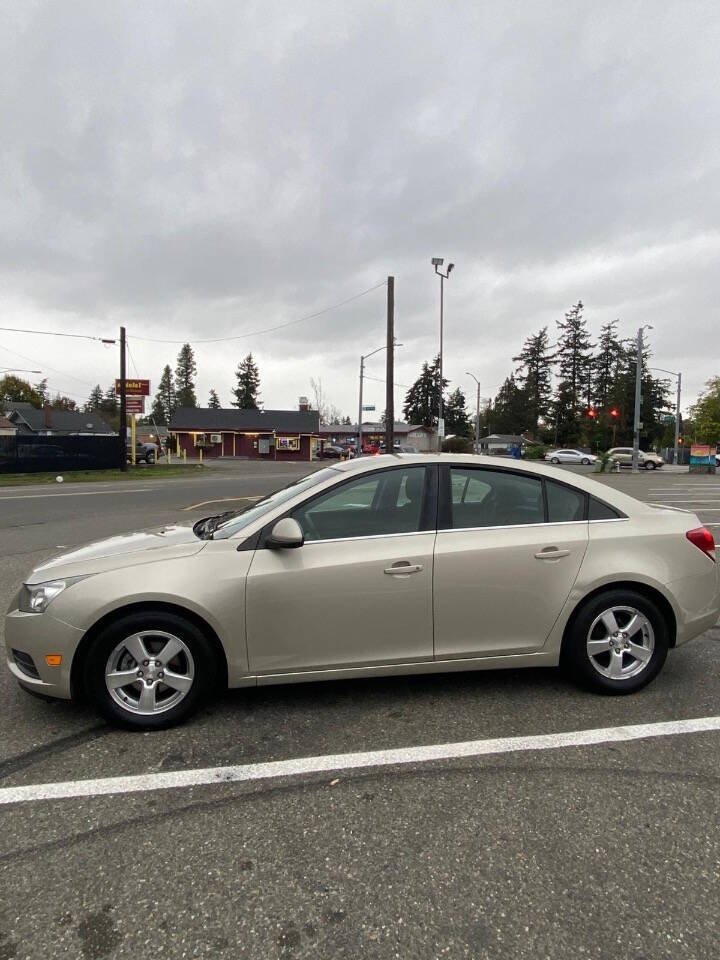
(287, 533)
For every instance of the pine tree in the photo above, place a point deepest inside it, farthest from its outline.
(606, 366)
(247, 391)
(61, 402)
(110, 401)
(214, 401)
(574, 370)
(165, 402)
(185, 372)
(41, 389)
(455, 413)
(94, 401)
(422, 401)
(508, 413)
(534, 377)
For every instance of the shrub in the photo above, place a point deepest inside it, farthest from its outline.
(536, 451)
(457, 445)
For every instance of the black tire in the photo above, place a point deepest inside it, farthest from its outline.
(575, 659)
(204, 682)
(554, 460)
(650, 465)
(585, 461)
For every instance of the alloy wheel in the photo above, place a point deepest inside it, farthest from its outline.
(620, 643)
(149, 672)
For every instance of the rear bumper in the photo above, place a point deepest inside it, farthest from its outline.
(698, 604)
(35, 635)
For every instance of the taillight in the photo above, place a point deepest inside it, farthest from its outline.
(703, 540)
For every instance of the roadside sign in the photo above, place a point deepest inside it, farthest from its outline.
(135, 404)
(133, 388)
(441, 427)
(368, 406)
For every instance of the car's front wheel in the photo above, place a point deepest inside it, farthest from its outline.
(554, 460)
(650, 465)
(617, 643)
(585, 461)
(150, 670)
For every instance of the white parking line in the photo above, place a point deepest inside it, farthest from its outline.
(78, 493)
(348, 761)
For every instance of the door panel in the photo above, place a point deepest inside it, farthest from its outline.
(332, 603)
(492, 595)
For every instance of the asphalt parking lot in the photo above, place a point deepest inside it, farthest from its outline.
(568, 850)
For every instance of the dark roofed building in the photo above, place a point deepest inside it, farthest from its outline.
(48, 422)
(263, 434)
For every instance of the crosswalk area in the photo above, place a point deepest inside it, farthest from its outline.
(701, 496)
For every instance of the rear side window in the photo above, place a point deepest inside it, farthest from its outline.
(565, 504)
(601, 511)
(490, 498)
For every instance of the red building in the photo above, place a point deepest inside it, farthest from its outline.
(252, 434)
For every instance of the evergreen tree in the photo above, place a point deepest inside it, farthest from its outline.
(347, 422)
(534, 378)
(574, 370)
(214, 401)
(110, 401)
(422, 401)
(247, 391)
(508, 413)
(94, 401)
(165, 402)
(606, 366)
(455, 413)
(41, 389)
(185, 372)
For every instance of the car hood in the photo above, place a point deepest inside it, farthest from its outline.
(129, 549)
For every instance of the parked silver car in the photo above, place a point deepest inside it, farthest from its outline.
(462, 563)
(570, 456)
(623, 456)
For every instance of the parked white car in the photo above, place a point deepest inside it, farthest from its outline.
(464, 563)
(570, 456)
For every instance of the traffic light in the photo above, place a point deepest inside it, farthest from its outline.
(615, 413)
(592, 413)
(681, 440)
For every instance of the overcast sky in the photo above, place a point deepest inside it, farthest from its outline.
(207, 169)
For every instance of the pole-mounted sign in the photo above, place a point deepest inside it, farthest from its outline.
(134, 388)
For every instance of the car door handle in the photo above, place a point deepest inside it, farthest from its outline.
(403, 568)
(551, 553)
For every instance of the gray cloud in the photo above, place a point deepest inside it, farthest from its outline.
(198, 170)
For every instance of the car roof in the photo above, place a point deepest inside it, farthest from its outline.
(537, 467)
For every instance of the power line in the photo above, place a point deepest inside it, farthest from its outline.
(55, 333)
(52, 369)
(280, 326)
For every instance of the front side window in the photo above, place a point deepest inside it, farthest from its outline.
(384, 503)
(490, 498)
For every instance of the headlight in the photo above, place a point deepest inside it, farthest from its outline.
(36, 597)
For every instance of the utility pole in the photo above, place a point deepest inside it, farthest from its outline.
(390, 368)
(676, 459)
(360, 409)
(637, 425)
(477, 413)
(123, 403)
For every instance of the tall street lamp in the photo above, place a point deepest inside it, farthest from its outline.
(676, 453)
(363, 358)
(477, 411)
(437, 262)
(637, 425)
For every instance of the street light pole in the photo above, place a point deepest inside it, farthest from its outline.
(676, 452)
(123, 403)
(477, 412)
(638, 398)
(438, 262)
(362, 376)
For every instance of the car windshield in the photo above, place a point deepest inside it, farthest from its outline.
(244, 518)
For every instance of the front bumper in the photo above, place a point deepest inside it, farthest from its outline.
(36, 635)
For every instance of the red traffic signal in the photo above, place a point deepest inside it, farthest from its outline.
(614, 412)
(592, 413)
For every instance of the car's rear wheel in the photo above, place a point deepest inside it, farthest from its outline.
(617, 643)
(150, 670)
(650, 465)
